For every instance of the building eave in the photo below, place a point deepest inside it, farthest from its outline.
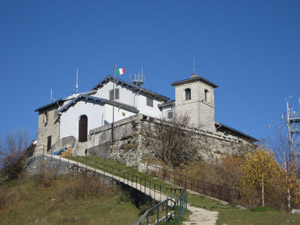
(62, 100)
(232, 130)
(190, 80)
(144, 91)
(50, 105)
(96, 99)
(165, 104)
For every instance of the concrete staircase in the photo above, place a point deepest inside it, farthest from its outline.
(81, 148)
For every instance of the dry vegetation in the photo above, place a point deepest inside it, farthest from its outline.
(258, 175)
(170, 141)
(50, 199)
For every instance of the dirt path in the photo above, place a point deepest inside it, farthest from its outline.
(201, 216)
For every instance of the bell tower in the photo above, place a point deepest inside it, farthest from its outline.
(195, 97)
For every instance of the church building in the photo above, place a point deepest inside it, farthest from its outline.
(77, 115)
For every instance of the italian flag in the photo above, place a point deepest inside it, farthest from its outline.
(120, 71)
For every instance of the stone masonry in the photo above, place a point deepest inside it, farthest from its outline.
(130, 148)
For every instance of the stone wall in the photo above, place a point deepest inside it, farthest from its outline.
(48, 126)
(130, 147)
(201, 112)
(126, 145)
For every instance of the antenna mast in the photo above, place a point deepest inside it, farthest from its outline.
(292, 119)
(194, 65)
(51, 95)
(138, 79)
(77, 80)
(194, 75)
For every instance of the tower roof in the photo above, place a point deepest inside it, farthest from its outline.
(193, 79)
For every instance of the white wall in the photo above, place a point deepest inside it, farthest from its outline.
(97, 114)
(166, 109)
(69, 119)
(119, 113)
(128, 97)
(148, 110)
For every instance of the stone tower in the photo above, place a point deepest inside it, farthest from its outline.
(195, 97)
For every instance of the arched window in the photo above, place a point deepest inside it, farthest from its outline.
(206, 95)
(83, 128)
(187, 94)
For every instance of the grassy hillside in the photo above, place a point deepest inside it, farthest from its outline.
(231, 215)
(64, 200)
(228, 214)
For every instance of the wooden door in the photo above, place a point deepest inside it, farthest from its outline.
(83, 129)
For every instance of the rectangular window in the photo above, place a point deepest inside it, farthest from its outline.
(45, 117)
(111, 95)
(49, 143)
(149, 102)
(117, 94)
(55, 113)
(170, 114)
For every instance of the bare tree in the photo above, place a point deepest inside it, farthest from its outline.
(282, 150)
(171, 140)
(13, 154)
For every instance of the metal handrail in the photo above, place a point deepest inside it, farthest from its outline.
(178, 201)
(155, 187)
(213, 190)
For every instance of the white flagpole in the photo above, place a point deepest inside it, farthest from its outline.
(113, 113)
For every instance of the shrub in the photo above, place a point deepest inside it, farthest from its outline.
(2, 199)
(45, 178)
(82, 186)
(262, 209)
(13, 154)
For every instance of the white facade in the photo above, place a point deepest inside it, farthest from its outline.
(98, 114)
(132, 98)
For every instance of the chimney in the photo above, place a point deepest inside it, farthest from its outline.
(193, 75)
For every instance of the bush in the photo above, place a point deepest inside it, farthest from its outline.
(45, 178)
(262, 209)
(82, 186)
(13, 155)
(2, 199)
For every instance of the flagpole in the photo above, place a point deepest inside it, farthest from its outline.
(113, 113)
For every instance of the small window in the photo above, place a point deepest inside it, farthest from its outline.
(170, 114)
(206, 95)
(187, 94)
(55, 113)
(117, 93)
(49, 142)
(45, 117)
(150, 102)
(111, 95)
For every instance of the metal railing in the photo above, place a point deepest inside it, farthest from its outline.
(168, 209)
(213, 190)
(172, 200)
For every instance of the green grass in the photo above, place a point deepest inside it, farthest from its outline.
(228, 214)
(95, 162)
(30, 203)
(231, 215)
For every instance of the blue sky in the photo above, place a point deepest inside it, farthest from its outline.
(250, 48)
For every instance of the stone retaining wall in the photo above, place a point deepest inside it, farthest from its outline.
(130, 147)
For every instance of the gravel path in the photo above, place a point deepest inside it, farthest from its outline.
(201, 216)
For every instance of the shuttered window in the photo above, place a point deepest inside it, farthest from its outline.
(111, 94)
(170, 114)
(150, 102)
(117, 93)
